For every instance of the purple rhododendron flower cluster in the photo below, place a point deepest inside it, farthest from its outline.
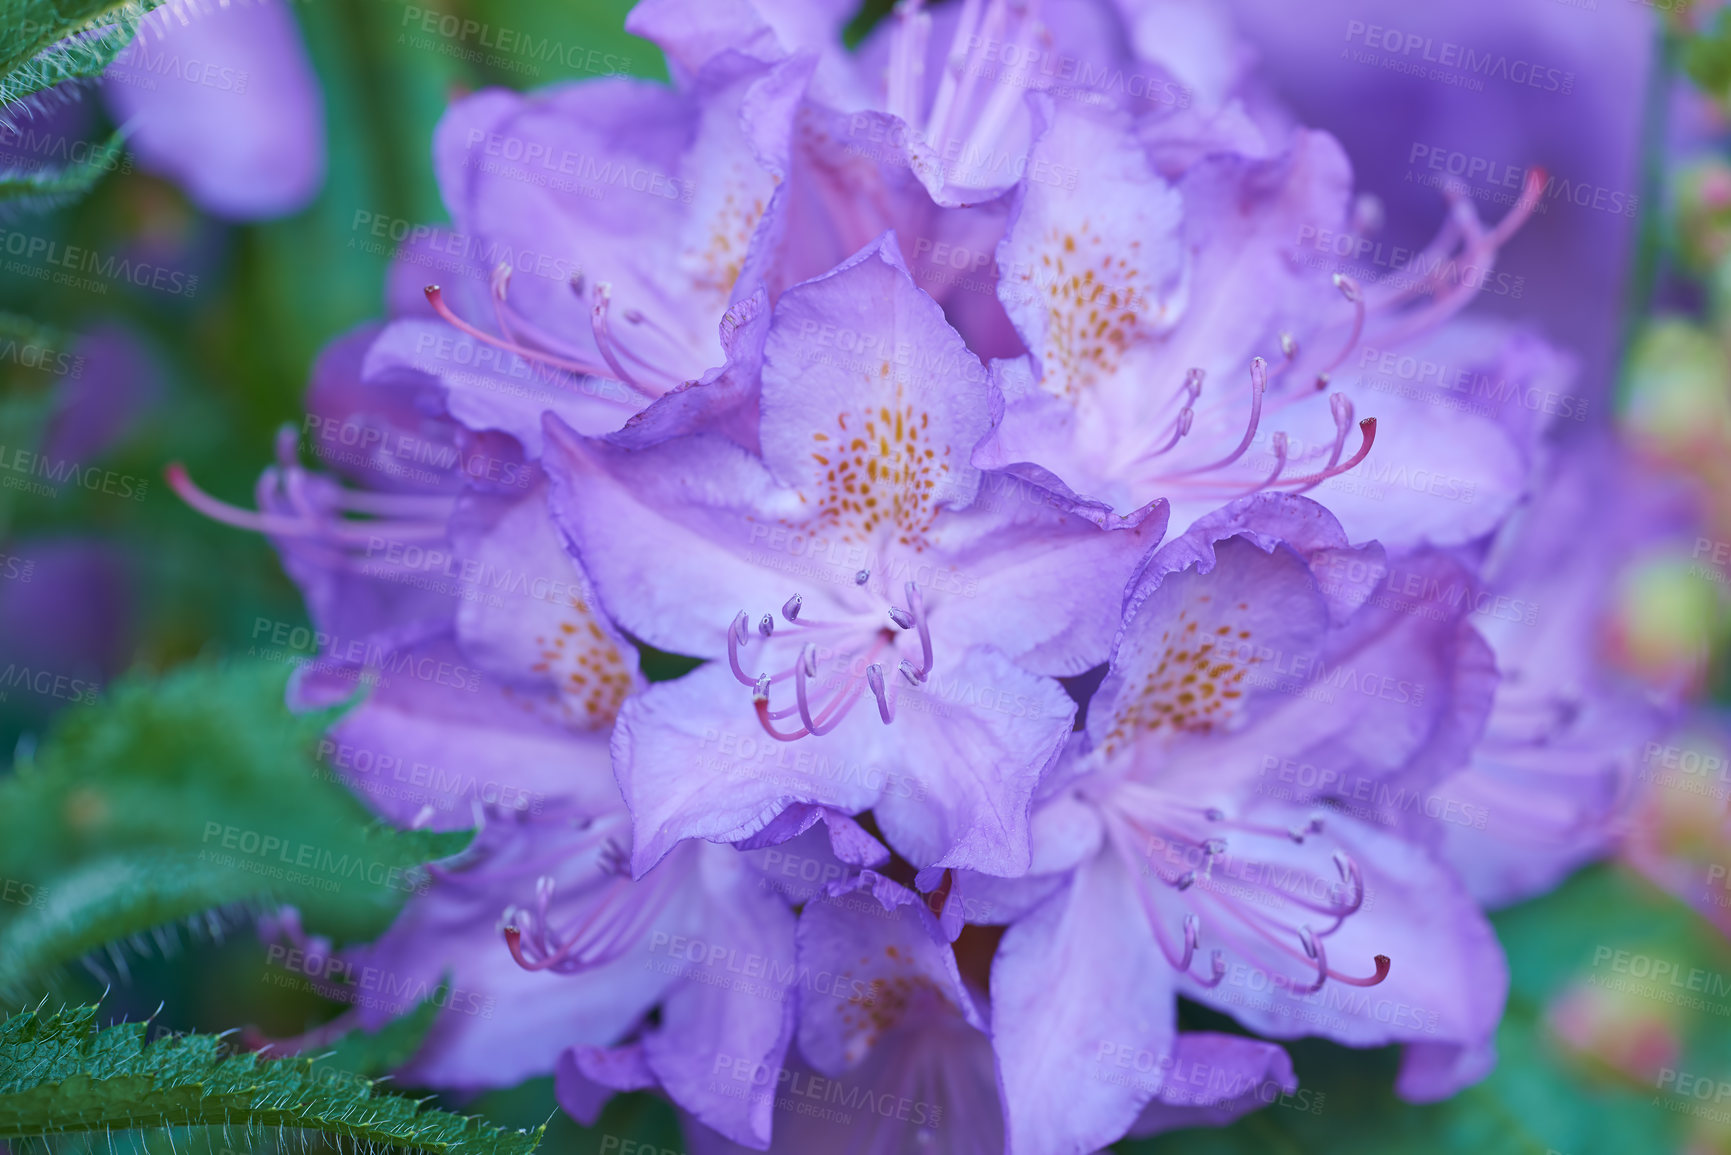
(1081, 626)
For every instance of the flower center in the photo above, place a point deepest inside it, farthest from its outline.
(836, 661)
(1257, 886)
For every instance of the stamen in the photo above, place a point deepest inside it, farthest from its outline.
(1288, 346)
(603, 300)
(435, 298)
(1367, 428)
(918, 605)
(761, 700)
(1258, 385)
(737, 635)
(288, 447)
(914, 677)
(1192, 386)
(790, 608)
(766, 625)
(1180, 427)
(901, 618)
(1350, 290)
(805, 668)
(277, 525)
(908, 61)
(937, 125)
(1382, 968)
(1278, 441)
(862, 577)
(1340, 405)
(1006, 98)
(886, 705)
(1192, 939)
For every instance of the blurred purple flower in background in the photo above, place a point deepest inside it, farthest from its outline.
(219, 97)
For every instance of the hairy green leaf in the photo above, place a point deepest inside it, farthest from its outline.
(52, 42)
(59, 1074)
(37, 190)
(172, 797)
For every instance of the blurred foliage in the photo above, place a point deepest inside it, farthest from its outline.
(179, 796)
(61, 1073)
(54, 42)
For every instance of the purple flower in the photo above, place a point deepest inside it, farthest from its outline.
(890, 570)
(1501, 91)
(1145, 299)
(221, 99)
(892, 1049)
(608, 249)
(1550, 783)
(1193, 871)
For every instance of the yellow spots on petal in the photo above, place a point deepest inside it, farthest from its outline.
(1091, 290)
(883, 472)
(1193, 687)
(887, 1000)
(587, 668)
(716, 256)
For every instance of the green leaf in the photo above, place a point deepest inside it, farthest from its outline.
(375, 1053)
(1706, 57)
(37, 190)
(50, 42)
(1543, 1096)
(177, 796)
(60, 1074)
